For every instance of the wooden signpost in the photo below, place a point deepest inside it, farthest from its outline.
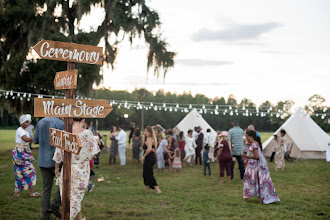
(69, 107)
(70, 52)
(64, 140)
(45, 107)
(66, 80)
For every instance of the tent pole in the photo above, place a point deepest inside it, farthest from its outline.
(299, 154)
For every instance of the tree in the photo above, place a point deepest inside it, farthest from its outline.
(23, 23)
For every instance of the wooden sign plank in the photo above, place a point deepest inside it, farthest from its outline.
(74, 108)
(70, 52)
(66, 79)
(65, 140)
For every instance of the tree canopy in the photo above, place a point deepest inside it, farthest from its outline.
(23, 23)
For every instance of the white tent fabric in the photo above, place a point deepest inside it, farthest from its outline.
(194, 119)
(307, 139)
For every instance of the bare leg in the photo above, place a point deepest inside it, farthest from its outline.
(158, 190)
(79, 216)
(229, 179)
(147, 188)
(282, 168)
(244, 199)
(221, 179)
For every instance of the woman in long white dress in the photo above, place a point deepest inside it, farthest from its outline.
(190, 148)
(80, 167)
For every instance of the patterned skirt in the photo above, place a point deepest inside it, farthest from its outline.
(25, 173)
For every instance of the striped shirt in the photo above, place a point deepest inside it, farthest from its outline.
(236, 137)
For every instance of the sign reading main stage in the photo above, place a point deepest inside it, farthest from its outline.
(70, 52)
(66, 79)
(75, 108)
(64, 140)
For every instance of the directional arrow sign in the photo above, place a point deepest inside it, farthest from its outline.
(66, 79)
(74, 108)
(71, 52)
(65, 140)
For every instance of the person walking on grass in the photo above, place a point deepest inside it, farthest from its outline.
(149, 160)
(257, 180)
(235, 135)
(224, 156)
(280, 150)
(177, 160)
(80, 166)
(25, 173)
(47, 165)
(199, 145)
(121, 138)
(161, 150)
(190, 148)
(136, 144)
(206, 159)
(113, 146)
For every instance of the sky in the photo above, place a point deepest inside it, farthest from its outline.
(272, 50)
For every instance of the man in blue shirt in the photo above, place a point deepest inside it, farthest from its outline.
(47, 165)
(236, 137)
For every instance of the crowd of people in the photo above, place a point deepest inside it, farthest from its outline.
(166, 148)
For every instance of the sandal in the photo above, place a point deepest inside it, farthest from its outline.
(17, 194)
(35, 194)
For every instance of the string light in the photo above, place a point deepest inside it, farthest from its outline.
(202, 108)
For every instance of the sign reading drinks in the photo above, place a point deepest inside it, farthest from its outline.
(66, 141)
(70, 52)
(75, 108)
(66, 79)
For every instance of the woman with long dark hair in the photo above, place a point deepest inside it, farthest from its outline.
(149, 160)
(256, 179)
(80, 166)
(136, 139)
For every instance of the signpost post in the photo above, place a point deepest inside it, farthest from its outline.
(68, 108)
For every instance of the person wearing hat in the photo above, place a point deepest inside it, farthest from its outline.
(224, 156)
(25, 173)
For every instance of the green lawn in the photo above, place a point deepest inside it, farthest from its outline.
(119, 193)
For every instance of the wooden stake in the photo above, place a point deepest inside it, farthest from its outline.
(66, 190)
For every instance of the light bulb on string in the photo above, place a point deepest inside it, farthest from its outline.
(164, 105)
(29, 95)
(243, 107)
(230, 107)
(216, 107)
(151, 104)
(18, 94)
(155, 108)
(171, 109)
(165, 109)
(176, 109)
(177, 105)
(28, 99)
(203, 107)
(190, 106)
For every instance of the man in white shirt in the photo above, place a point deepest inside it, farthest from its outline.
(121, 138)
(208, 139)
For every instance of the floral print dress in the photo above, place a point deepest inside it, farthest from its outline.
(257, 179)
(80, 170)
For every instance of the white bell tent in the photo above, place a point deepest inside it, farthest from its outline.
(307, 139)
(194, 119)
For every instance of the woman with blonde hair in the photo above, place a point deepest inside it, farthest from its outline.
(149, 160)
(224, 156)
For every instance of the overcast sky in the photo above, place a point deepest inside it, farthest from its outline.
(262, 50)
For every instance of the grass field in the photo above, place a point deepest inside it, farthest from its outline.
(120, 194)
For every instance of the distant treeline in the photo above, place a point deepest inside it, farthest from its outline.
(169, 119)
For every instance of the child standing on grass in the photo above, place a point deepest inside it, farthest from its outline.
(206, 159)
(177, 160)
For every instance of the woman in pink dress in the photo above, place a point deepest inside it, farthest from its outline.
(256, 179)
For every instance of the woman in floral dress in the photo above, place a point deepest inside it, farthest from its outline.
(256, 179)
(80, 167)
